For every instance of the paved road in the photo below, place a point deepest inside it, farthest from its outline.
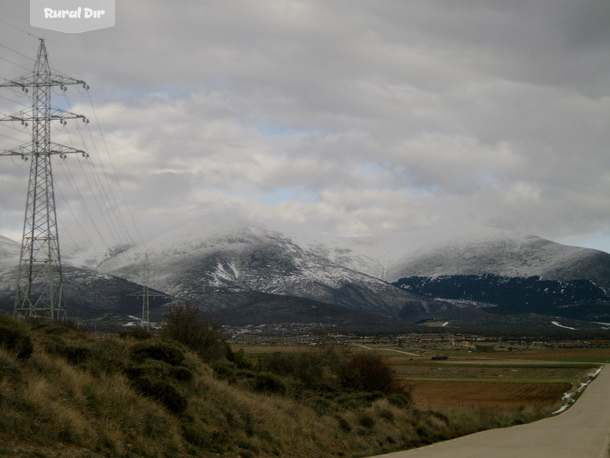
(582, 431)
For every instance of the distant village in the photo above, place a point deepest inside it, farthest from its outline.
(420, 344)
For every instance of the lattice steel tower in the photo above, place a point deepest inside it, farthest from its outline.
(39, 290)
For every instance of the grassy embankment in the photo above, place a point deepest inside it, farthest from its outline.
(64, 392)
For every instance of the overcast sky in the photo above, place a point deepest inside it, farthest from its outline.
(351, 117)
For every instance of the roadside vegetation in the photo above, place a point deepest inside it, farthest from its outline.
(186, 392)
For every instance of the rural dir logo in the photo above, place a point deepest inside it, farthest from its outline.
(72, 16)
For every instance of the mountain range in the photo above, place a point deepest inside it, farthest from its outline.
(242, 272)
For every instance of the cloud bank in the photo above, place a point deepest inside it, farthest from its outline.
(350, 117)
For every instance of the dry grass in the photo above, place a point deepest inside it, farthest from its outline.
(88, 395)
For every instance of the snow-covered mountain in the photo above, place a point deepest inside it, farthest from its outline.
(445, 251)
(227, 263)
(9, 258)
(9, 251)
(361, 273)
(227, 254)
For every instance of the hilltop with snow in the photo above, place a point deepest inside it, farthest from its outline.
(228, 264)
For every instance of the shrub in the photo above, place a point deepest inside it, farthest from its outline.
(368, 372)
(9, 369)
(49, 326)
(157, 379)
(163, 392)
(15, 338)
(181, 373)
(135, 333)
(319, 405)
(159, 370)
(279, 363)
(386, 414)
(203, 336)
(155, 371)
(366, 419)
(239, 358)
(308, 368)
(77, 354)
(358, 400)
(108, 356)
(265, 382)
(167, 352)
(196, 435)
(73, 354)
(225, 370)
(400, 400)
(344, 424)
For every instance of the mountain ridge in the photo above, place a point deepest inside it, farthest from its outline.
(212, 255)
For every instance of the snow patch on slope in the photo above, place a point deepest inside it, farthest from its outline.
(556, 323)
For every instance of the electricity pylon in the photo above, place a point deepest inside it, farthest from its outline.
(145, 275)
(144, 280)
(39, 290)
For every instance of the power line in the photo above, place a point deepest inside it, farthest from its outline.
(21, 30)
(12, 138)
(17, 52)
(67, 203)
(105, 198)
(85, 207)
(118, 182)
(13, 101)
(14, 63)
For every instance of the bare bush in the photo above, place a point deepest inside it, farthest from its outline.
(368, 372)
(203, 336)
(15, 337)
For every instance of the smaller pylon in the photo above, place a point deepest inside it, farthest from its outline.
(146, 293)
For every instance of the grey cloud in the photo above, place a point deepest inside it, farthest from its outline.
(388, 115)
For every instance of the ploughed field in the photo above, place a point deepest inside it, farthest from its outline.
(592, 355)
(476, 372)
(442, 395)
(499, 382)
(502, 381)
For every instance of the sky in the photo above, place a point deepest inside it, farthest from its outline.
(348, 117)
